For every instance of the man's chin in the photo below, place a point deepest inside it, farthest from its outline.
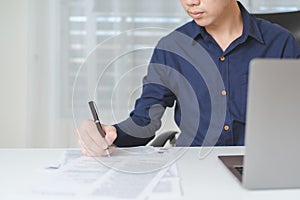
(201, 22)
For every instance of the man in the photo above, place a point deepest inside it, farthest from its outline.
(232, 38)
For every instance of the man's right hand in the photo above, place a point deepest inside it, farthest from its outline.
(90, 140)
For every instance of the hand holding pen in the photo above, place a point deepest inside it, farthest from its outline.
(94, 111)
(96, 139)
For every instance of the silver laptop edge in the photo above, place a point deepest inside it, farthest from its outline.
(272, 149)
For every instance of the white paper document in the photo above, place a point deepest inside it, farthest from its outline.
(130, 173)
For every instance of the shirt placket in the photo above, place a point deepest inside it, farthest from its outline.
(224, 70)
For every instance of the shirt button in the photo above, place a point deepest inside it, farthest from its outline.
(222, 58)
(223, 92)
(226, 127)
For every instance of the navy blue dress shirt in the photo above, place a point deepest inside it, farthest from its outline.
(260, 39)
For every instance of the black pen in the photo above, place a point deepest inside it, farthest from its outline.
(94, 111)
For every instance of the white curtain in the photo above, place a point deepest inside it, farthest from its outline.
(65, 72)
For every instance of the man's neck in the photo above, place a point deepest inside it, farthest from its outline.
(228, 28)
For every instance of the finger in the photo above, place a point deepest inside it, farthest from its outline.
(91, 140)
(90, 148)
(92, 130)
(112, 149)
(111, 134)
(82, 147)
(83, 150)
(87, 152)
(89, 144)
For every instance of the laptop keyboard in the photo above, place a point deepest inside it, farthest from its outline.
(239, 169)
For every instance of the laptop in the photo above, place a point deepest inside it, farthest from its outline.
(272, 140)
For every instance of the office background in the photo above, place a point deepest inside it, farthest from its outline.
(44, 43)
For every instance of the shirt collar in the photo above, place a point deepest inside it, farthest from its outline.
(250, 27)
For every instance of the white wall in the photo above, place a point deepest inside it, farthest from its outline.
(13, 72)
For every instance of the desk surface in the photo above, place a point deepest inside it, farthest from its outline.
(202, 177)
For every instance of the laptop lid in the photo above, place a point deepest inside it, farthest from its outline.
(272, 152)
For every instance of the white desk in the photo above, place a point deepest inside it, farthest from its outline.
(200, 178)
